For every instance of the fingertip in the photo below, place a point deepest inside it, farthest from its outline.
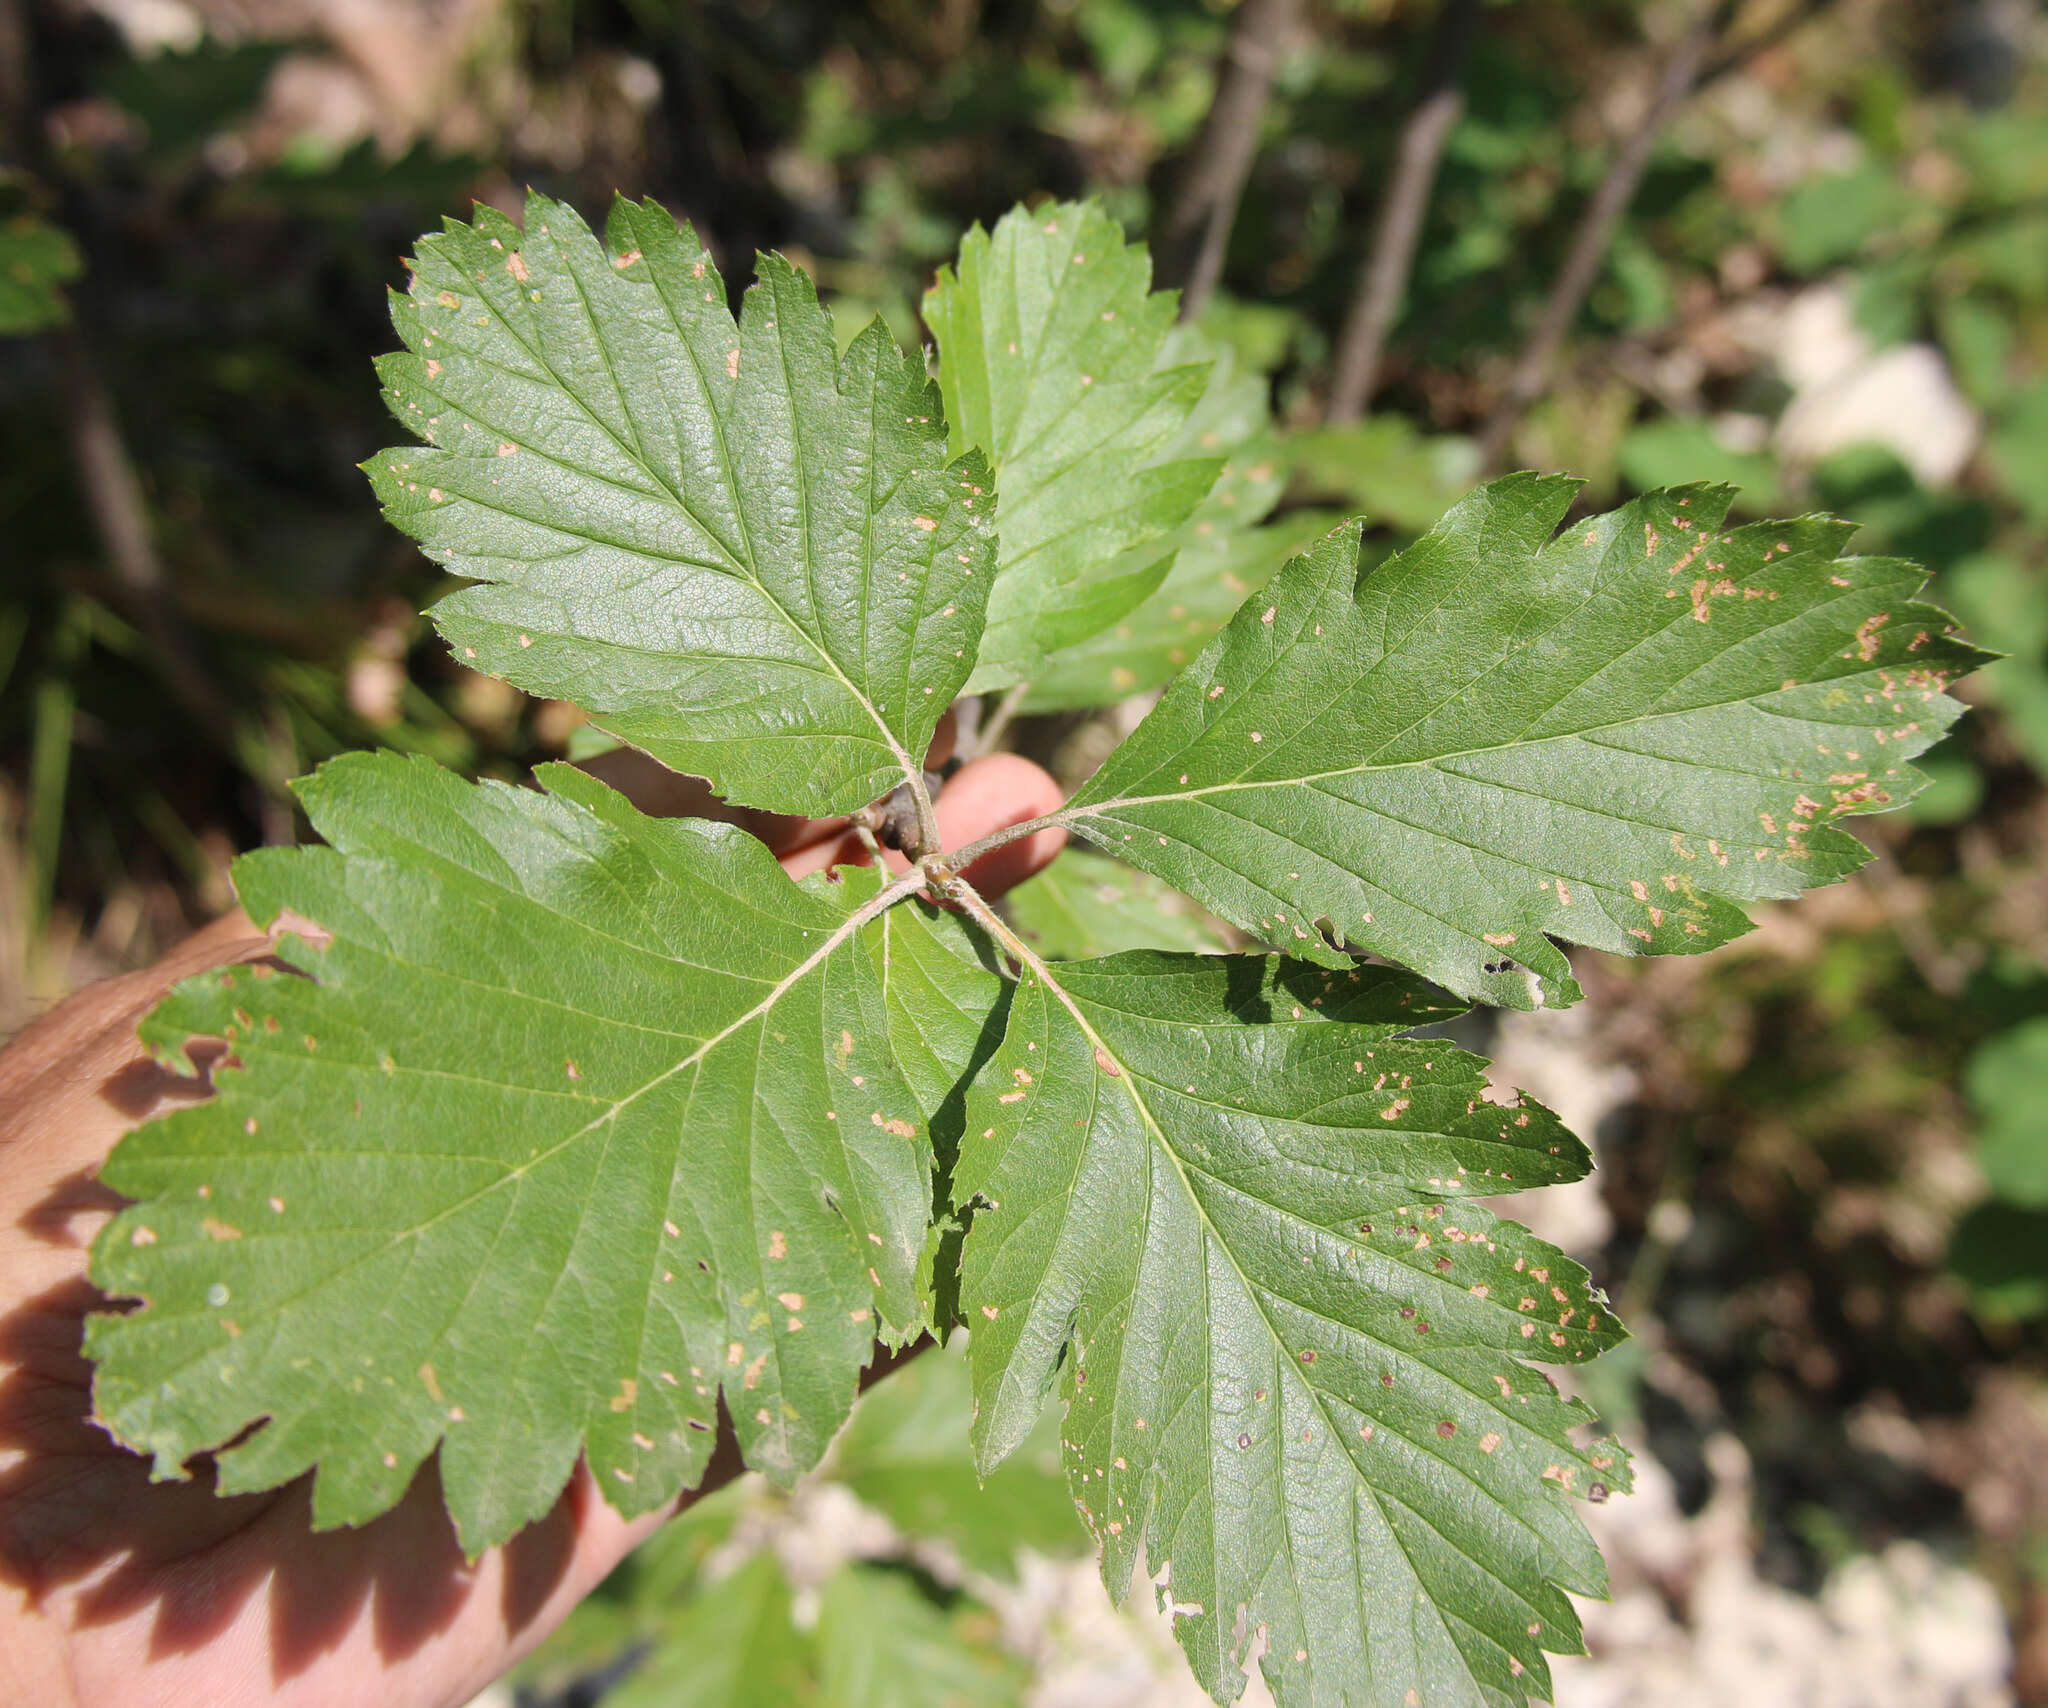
(993, 793)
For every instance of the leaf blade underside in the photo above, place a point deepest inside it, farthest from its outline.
(1291, 1357)
(1054, 363)
(1497, 738)
(734, 548)
(598, 1111)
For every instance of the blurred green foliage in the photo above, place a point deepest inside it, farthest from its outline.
(708, 1615)
(37, 260)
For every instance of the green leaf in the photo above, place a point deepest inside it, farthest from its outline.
(878, 1643)
(883, 1645)
(1053, 361)
(1612, 737)
(183, 98)
(732, 1646)
(735, 549)
(37, 260)
(1219, 554)
(1978, 337)
(945, 999)
(1084, 905)
(2005, 603)
(2018, 449)
(1955, 789)
(639, 1599)
(1828, 220)
(906, 1454)
(579, 1118)
(1222, 1198)
(1210, 578)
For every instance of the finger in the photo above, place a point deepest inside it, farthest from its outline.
(985, 795)
(991, 794)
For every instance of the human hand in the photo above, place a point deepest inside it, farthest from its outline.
(116, 1592)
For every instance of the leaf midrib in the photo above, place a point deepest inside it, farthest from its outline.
(1257, 1296)
(1252, 1289)
(910, 772)
(1390, 648)
(1433, 760)
(516, 1176)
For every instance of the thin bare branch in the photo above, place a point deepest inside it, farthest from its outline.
(1680, 73)
(1205, 207)
(114, 500)
(959, 859)
(17, 95)
(998, 725)
(1383, 279)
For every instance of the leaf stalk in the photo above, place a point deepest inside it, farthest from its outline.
(961, 858)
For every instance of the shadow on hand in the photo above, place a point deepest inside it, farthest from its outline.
(79, 1515)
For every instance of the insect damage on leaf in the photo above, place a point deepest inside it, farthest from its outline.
(734, 548)
(1613, 736)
